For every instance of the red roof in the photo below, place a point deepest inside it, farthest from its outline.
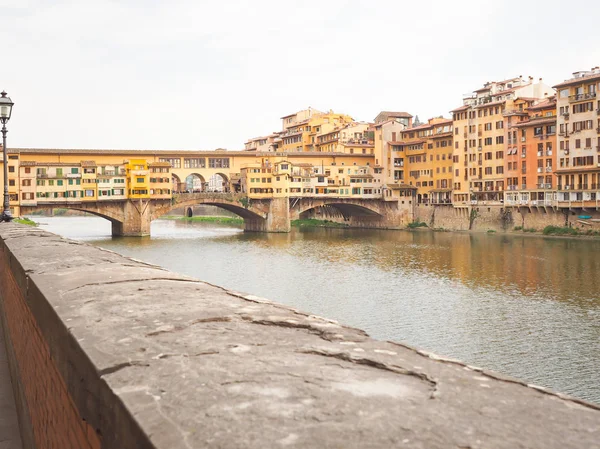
(583, 79)
(462, 108)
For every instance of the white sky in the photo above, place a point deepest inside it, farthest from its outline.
(207, 74)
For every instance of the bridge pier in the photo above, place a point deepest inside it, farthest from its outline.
(137, 220)
(277, 220)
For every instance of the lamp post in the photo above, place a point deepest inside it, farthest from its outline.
(5, 110)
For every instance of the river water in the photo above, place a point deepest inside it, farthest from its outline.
(524, 306)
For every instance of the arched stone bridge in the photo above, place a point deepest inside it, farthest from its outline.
(133, 217)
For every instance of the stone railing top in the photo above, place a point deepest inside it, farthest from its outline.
(196, 365)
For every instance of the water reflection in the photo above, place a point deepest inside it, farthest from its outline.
(525, 306)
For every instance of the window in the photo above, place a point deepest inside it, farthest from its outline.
(139, 180)
(175, 162)
(74, 171)
(89, 193)
(197, 162)
(11, 182)
(11, 168)
(218, 162)
(59, 182)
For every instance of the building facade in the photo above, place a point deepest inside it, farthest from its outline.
(479, 138)
(578, 123)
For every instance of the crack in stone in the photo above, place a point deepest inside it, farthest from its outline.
(374, 364)
(324, 334)
(120, 366)
(215, 319)
(124, 281)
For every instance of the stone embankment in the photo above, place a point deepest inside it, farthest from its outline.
(110, 352)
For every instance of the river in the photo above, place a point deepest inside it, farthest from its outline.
(521, 305)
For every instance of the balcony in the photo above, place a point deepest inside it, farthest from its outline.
(548, 152)
(582, 97)
(544, 186)
(548, 169)
(540, 136)
(566, 116)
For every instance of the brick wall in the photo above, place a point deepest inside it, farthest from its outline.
(53, 418)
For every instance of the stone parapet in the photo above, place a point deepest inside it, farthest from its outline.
(110, 352)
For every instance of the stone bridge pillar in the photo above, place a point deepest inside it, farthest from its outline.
(277, 220)
(137, 219)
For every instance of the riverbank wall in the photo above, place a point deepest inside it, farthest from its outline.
(106, 352)
(499, 219)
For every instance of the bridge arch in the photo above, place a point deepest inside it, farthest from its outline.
(255, 216)
(114, 216)
(219, 182)
(346, 209)
(195, 183)
(238, 210)
(178, 186)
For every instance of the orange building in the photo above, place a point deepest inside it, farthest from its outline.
(530, 160)
(480, 132)
(427, 160)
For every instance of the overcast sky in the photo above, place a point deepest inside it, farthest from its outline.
(208, 74)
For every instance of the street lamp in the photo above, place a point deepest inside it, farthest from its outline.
(5, 110)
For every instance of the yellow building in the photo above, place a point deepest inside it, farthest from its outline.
(89, 181)
(319, 131)
(138, 178)
(427, 160)
(281, 177)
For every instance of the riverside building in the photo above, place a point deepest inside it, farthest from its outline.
(579, 140)
(479, 138)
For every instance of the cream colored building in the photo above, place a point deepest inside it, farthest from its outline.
(578, 159)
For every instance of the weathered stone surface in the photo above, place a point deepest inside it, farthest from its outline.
(147, 353)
